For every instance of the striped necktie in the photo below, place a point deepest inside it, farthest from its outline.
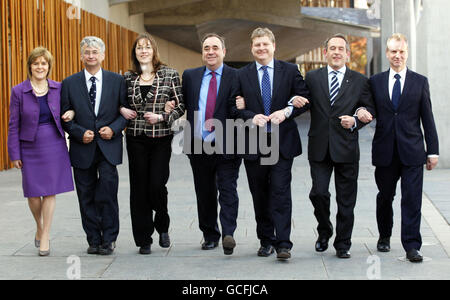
(334, 89)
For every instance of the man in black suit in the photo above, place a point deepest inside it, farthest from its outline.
(267, 85)
(206, 91)
(95, 136)
(402, 102)
(336, 92)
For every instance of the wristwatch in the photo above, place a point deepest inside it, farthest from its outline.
(287, 112)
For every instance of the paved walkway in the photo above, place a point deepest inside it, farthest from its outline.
(185, 260)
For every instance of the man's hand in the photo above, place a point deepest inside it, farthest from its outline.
(127, 113)
(260, 120)
(277, 117)
(88, 136)
(431, 163)
(364, 116)
(169, 106)
(240, 102)
(17, 164)
(347, 121)
(106, 133)
(68, 116)
(299, 101)
(152, 118)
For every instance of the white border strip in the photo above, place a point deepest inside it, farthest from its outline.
(436, 221)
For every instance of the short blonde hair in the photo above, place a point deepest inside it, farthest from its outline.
(35, 54)
(397, 37)
(261, 32)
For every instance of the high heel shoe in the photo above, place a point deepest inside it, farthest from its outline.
(37, 243)
(45, 252)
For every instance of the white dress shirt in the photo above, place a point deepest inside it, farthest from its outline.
(392, 80)
(98, 84)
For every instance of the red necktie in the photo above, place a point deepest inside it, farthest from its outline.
(211, 102)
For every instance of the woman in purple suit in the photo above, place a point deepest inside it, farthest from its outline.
(37, 144)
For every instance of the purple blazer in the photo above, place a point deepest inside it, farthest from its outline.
(24, 114)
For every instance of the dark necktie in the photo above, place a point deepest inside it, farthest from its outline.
(396, 91)
(93, 92)
(334, 89)
(211, 102)
(266, 93)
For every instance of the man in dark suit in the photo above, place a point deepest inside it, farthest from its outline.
(96, 143)
(206, 91)
(336, 92)
(402, 102)
(267, 85)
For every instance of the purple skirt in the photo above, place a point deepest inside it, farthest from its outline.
(46, 167)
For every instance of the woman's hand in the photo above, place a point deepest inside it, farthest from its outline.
(68, 116)
(127, 113)
(17, 164)
(169, 106)
(152, 118)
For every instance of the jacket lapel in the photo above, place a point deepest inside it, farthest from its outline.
(254, 82)
(407, 86)
(197, 82)
(385, 89)
(323, 74)
(344, 85)
(105, 90)
(278, 73)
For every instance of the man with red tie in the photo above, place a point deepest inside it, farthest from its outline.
(206, 91)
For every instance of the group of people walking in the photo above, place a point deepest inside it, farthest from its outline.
(94, 106)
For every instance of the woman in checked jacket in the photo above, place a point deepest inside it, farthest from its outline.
(152, 86)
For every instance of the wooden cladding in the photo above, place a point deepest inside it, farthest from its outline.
(58, 26)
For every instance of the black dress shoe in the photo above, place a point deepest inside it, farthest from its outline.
(107, 249)
(265, 250)
(283, 253)
(321, 244)
(343, 253)
(93, 250)
(228, 244)
(145, 250)
(208, 245)
(384, 244)
(164, 240)
(414, 255)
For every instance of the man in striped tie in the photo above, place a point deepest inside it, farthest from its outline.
(336, 93)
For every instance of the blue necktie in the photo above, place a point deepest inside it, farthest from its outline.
(266, 91)
(93, 92)
(396, 92)
(334, 89)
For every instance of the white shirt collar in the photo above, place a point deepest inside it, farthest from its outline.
(270, 65)
(98, 75)
(402, 73)
(341, 70)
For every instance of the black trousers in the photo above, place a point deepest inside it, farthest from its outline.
(215, 175)
(411, 201)
(346, 183)
(97, 189)
(270, 186)
(149, 170)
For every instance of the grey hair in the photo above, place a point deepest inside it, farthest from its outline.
(337, 35)
(93, 41)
